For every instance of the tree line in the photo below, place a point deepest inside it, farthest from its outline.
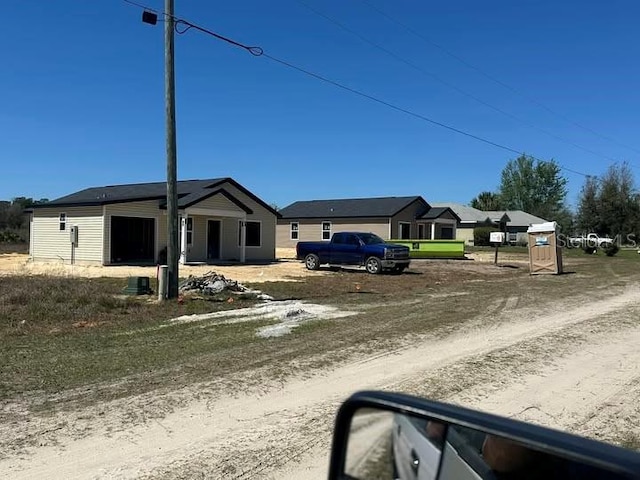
(607, 205)
(13, 219)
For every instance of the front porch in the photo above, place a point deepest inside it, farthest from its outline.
(209, 236)
(438, 229)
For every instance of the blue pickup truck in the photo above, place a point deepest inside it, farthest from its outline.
(354, 248)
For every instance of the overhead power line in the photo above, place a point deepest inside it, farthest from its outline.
(182, 26)
(449, 84)
(482, 72)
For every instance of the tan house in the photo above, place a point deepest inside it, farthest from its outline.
(513, 222)
(220, 221)
(387, 217)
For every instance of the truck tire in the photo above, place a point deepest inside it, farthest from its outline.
(373, 265)
(312, 262)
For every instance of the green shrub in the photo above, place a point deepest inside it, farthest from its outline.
(481, 236)
(9, 236)
(610, 249)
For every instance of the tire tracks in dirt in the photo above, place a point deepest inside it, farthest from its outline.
(285, 432)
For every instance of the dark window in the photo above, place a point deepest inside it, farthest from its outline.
(63, 221)
(340, 238)
(353, 240)
(189, 231)
(253, 234)
(295, 228)
(405, 231)
(446, 233)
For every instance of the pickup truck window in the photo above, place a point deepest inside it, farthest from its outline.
(352, 240)
(370, 238)
(339, 239)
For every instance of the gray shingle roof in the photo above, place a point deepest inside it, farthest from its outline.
(436, 212)
(350, 207)
(519, 218)
(189, 193)
(466, 213)
(515, 218)
(131, 192)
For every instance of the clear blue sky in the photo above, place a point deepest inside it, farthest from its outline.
(82, 95)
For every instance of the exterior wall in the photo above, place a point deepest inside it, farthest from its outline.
(408, 215)
(465, 233)
(220, 202)
(197, 252)
(310, 230)
(48, 243)
(230, 247)
(146, 209)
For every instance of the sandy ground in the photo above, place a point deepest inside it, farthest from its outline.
(576, 368)
(285, 269)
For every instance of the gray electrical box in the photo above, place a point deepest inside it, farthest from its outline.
(73, 234)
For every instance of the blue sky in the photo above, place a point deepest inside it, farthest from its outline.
(83, 95)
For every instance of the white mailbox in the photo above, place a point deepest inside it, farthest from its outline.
(496, 237)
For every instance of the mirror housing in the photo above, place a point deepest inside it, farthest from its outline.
(607, 460)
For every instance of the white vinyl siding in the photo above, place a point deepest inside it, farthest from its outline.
(49, 243)
(221, 203)
(267, 249)
(310, 229)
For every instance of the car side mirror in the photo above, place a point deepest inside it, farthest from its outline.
(381, 435)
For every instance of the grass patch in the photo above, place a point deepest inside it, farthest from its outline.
(60, 334)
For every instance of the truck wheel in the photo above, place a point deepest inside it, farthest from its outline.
(312, 262)
(373, 265)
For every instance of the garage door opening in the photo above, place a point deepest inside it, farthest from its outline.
(133, 240)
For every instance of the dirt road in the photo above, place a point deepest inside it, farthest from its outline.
(574, 368)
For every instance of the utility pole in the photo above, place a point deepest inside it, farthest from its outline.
(172, 167)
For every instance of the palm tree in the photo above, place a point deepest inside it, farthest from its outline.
(487, 201)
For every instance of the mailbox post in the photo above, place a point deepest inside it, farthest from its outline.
(496, 238)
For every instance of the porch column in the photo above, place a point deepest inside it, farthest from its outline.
(433, 230)
(183, 240)
(243, 240)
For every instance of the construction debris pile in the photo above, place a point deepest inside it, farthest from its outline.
(212, 284)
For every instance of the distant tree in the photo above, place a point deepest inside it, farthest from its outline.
(4, 209)
(588, 214)
(487, 201)
(534, 186)
(275, 206)
(617, 202)
(566, 220)
(12, 213)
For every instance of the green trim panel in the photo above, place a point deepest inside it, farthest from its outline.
(433, 248)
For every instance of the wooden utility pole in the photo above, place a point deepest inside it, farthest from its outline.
(172, 167)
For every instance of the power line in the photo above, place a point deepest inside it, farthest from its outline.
(450, 85)
(259, 52)
(496, 80)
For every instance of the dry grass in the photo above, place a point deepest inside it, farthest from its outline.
(14, 248)
(67, 333)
